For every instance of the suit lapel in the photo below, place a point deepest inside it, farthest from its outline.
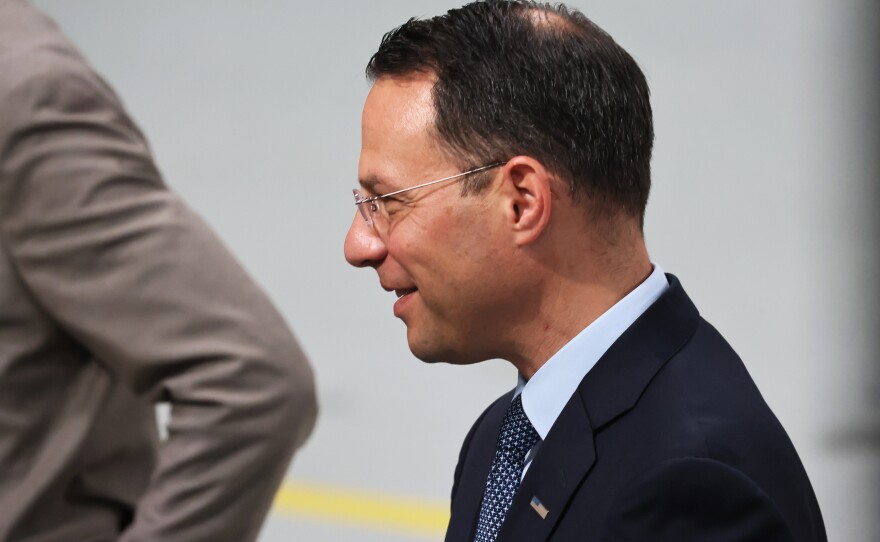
(619, 378)
(611, 388)
(563, 460)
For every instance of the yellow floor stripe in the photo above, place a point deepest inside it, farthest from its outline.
(363, 509)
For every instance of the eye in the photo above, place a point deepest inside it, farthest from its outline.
(392, 205)
(374, 206)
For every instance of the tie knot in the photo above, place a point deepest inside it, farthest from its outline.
(517, 432)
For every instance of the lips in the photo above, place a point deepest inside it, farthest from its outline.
(403, 298)
(402, 292)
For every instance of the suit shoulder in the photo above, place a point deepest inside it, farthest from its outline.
(706, 393)
(715, 420)
(35, 54)
(708, 377)
(48, 76)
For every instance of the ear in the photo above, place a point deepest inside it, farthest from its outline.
(526, 188)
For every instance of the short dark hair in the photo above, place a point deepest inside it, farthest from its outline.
(519, 77)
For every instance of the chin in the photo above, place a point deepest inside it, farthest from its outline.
(435, 342)
(435, 353)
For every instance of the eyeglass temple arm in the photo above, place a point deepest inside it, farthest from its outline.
(479, 169)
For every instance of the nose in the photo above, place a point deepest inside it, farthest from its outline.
(362, 246)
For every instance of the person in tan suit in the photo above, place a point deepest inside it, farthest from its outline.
(114, 296)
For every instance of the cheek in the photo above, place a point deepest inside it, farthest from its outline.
(403, 249)
(450, 248)
(421, 241)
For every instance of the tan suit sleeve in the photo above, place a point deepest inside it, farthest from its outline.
(142, 283)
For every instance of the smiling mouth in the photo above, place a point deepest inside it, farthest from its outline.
(406, 291)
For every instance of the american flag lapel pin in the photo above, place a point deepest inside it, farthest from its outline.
(539, 508)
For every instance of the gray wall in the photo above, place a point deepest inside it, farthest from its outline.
(764, 204)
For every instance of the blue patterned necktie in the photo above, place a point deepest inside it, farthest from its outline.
(516, 438)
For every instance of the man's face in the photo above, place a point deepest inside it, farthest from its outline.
(441, 254)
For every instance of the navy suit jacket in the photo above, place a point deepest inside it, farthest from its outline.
(666, 439)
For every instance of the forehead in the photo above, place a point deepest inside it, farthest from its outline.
(397, 130)
(400, 103)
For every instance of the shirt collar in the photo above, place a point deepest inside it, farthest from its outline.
(547, 392)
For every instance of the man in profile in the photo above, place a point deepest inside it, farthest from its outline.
(114, 296)
(504, 171)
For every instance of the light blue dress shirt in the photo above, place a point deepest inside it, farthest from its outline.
(548, 391)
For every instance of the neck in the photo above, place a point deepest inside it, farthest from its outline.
(569, 302)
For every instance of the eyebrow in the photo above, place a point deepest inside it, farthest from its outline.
(369, 182)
